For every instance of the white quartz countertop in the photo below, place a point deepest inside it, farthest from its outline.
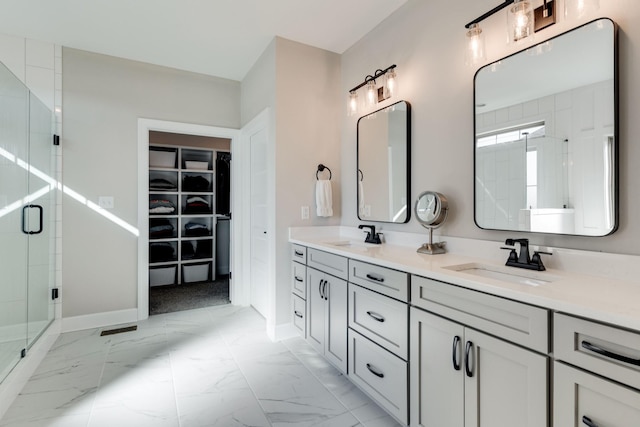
(607, 300)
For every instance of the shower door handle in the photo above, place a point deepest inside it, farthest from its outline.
(24, 219)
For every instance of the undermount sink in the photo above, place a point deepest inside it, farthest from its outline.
(504, 274)
(351, 244)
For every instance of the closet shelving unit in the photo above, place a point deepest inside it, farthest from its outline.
(182, 220)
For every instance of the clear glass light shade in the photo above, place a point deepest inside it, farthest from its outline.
(390, 84)
(475, 51)
(520, 20)
(576, 9)
(352, 104)
(371, 93)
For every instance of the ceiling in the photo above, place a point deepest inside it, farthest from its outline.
(222, 38)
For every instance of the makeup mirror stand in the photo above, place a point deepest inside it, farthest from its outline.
(431, 211)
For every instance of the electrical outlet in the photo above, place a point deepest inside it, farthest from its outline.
(304, 212)
(367, 211)
(105, 202)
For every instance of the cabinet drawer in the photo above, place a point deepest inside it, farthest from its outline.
(605, 350)
(380, 374)
(299, 253)
(299, 309)
(380, 318)
(299, 279)
(580, 398)
(328, 263)
(513, 321)
(389, 282)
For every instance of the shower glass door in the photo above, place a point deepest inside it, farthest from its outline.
(27, 219)
(41, 213)
(14, 181)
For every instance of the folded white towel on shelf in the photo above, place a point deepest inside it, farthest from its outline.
(324, 198)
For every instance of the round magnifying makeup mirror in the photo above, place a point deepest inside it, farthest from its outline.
(431, 211)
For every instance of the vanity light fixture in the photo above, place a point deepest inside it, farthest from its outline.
(522, 21)
(373, 94)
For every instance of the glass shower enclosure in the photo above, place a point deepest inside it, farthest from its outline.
(27, 219)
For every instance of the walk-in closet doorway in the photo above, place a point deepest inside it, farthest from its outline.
(185, 222)
(189, 219)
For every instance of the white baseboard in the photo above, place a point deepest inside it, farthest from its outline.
(99, 320)
(16, 380)
(282, 332)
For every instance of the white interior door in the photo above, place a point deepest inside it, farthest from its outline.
(259, 221)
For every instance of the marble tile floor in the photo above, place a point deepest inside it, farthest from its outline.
(207, 367)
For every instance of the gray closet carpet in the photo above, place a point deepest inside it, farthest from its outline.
(167, 299)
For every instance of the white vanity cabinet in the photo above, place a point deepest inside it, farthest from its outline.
(462, 377)
(327, 307)
(602, 387)
(378, 335)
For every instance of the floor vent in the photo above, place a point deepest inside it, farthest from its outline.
(118, 330)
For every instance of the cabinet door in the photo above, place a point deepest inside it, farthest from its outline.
(585, 400)
(336, 322)
(436, 366)
(315, 309)
(505, 385)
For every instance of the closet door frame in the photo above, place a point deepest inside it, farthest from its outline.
(144, 127)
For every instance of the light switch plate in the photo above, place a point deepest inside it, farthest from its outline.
(105, 202)
(304, 212)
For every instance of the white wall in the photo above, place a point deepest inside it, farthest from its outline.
(301, 86)
(426, 40)
(103, 99)
(307, 133)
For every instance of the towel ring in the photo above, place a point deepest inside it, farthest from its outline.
(321, 168)
(361, 175)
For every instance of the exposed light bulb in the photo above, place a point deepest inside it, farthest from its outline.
(372, 93)
(475, 52)
(520, 20)
(352, 105)
(390, 86)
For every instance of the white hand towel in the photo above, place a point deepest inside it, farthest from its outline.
(324, 198)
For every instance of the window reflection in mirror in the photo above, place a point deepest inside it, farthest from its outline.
(383, 164)
(545, 132)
